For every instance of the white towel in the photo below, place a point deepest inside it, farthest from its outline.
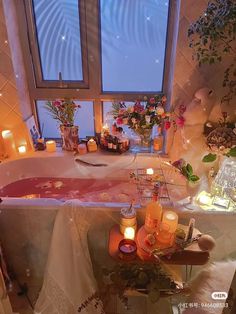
(69, 285)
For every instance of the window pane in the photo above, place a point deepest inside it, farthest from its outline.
(58, 32)
(133, 36)
(84, 119)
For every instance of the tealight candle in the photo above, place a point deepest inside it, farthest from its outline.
(82, 149)
(129, 233)
(92, 145)
(50, 146)
(9, 144)
(22, 149)
(170, 218)
(150, 171)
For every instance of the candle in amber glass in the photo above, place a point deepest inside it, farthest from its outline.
(9, 144)
(129, 233)
(22, 149)
(51, 146)
(170, 218)
(92, 145)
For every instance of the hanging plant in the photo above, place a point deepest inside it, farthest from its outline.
(212, 38)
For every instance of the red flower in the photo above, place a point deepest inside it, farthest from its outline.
(167, 125)
(138, 107)
(163, 99)
(152, 100)
(119, 121)
(224, 114)
(56, 103)
(180, 121)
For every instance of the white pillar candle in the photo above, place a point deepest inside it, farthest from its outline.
(22, 149)
(171, 219)
(129, 233)
(9, 144)
(50, 146)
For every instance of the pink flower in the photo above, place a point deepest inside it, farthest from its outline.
(138, 107)
(163, 99)
(152, 100)
(180, 121)
(182, 109)
(119, 121)
(167, 125)
(56, 103)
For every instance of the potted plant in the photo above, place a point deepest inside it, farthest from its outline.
(212, 38)
(63, 111)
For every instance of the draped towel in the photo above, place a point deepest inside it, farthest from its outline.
(69, 285)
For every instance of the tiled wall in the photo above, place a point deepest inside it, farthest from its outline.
(10, 115)
(188, 76)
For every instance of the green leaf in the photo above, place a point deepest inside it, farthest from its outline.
(232, 152)
(189, 169)
(194, 178)
(209, 158)
(154, 295)
(185, 171)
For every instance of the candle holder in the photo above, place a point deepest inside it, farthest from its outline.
(127, 249)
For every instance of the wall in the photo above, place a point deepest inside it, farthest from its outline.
(10, 113)
(189, 77)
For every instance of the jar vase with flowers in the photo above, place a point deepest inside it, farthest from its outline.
(141, 118)
(64, 112)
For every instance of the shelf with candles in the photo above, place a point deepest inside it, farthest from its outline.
(191, 255)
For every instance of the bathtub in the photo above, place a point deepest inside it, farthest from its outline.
(26, 224)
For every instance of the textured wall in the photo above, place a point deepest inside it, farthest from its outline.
(188, 76)
(10, 114)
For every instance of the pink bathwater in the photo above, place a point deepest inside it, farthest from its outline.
(86, 190)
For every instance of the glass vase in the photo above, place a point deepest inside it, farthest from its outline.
(69, 136)
(141, 141)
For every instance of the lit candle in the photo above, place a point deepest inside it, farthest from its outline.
(9, 144)
(150, 171)
(205, 199)
(22, 149)
(171, 219)
(129, 233)
(92, 145)
(82, 149)
(50, 146)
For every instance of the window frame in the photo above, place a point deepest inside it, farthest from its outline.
(93, 91)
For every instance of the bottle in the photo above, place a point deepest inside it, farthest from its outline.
(110, 144)
(115, 144)
(153, 213)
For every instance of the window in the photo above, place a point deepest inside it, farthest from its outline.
(58, 35)
(97, 51)
(133, 41)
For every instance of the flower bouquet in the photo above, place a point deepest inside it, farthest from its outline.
(142, 116)
(64, 111)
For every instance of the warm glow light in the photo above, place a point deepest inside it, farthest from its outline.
(22, 149)
(129, 233)
(204, 199)
(6, 133)
(171, 219)
(50, 146)
(150, 171)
